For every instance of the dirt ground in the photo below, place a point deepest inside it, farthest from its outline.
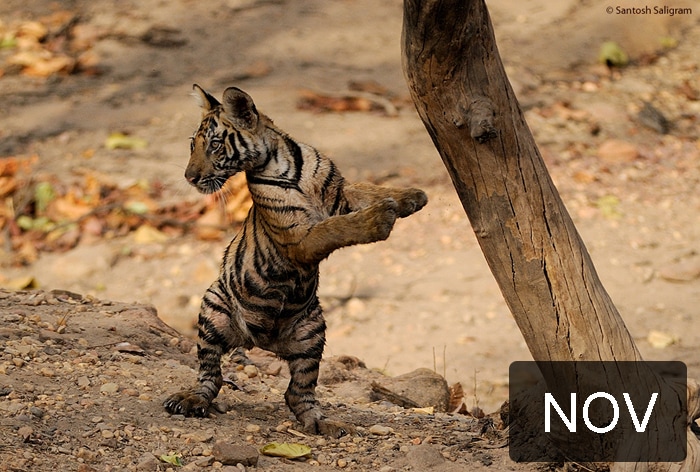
(424, 298)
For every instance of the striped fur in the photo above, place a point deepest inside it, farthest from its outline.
(302, 211)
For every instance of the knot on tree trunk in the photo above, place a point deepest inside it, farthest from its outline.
(479, 114)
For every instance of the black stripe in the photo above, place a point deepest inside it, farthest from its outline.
(214, 306)
(328, 180)
(336, 203)
(314, 352)
(282, 208)
(285, 184)
(255, 330)
(295, 150)
(209, 333)
(318, 163)
(318, 330)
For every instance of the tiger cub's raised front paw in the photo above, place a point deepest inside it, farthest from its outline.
(187, 403)
(410, 201)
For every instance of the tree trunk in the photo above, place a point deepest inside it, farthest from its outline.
(542, 267)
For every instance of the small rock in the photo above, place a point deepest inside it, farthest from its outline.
(18, 362)
(198, 436)
(616, 151)
(109, 387)
(251, 371)
(107, 434)
(342, 463)
(25, 432)
(424, 457)
(651, 117)
(422, 386)
(38, 412)
(46, 372)
(683, 271)
(232, 454)
(380, 430)
(274, 368)
(148, 463)
(357, 309)
(252, 428)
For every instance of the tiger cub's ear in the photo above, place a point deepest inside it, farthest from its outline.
(240, 107)
(205, 100)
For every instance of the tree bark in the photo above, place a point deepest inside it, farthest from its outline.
(542, 267)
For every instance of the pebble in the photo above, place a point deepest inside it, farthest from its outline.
(617, 151)
(252, 428)
(380, 430)
(683, 271)
(46, 372)
(83, 381)
(274, 368)
(342, 463)
(232, 454)
(251, 371)
(424, 457)
(109, 387)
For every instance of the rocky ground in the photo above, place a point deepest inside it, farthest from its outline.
(84, 379)
(96, 113)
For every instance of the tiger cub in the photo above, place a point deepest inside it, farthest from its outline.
(302, 211)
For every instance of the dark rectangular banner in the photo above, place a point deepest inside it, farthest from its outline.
(598, 411)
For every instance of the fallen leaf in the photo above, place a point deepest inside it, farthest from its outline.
(286, 450)
(43, 195)
(123, 141)
(661, 340)
(146, 234)
(612, 54)
(21, 283)
(609, 207)
(456, 397)
(172, 459)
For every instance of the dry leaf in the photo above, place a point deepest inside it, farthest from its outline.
(286, 450)
(147, 234)
(21, 283)
(123, 141)
(661, 340)
(456, 397)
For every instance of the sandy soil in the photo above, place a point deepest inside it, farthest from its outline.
(425, 297)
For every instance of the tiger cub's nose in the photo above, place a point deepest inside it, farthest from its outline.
(191, 176)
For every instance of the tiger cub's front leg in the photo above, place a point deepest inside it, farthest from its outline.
(216, 337)
(363, 194)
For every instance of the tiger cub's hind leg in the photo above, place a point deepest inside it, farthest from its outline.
(303, 350)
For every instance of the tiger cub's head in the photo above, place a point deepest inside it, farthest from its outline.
(229, 139)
